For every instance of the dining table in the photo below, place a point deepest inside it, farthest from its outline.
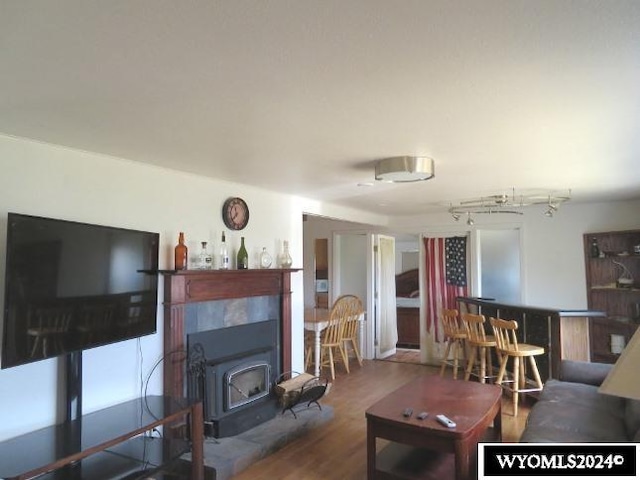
(316, 320)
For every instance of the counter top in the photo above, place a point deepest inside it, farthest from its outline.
(540, 310)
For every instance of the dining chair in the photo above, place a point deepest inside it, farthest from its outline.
(351, 310)
(309, 345)
(332, 336)
(454, 336)
(508, 347)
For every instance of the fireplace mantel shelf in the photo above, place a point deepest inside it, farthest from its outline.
(217, 272)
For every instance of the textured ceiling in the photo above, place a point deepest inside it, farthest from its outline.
(303, 96)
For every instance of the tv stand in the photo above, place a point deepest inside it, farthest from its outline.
(108, 439)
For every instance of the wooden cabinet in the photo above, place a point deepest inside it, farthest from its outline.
(408, 327)
(612, 266)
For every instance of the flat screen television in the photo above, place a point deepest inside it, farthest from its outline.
(72, 286)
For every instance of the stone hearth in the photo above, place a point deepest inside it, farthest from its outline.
(226, 457)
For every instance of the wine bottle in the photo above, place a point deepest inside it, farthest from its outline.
(595, 250)
(180, 253)
(224, 254)
(243, 256)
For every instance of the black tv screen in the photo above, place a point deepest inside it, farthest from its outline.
(71, 286)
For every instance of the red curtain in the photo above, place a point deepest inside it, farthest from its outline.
(440, 293)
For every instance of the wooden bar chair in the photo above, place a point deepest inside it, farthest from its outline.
(455, 336)
(480, 345)
(508, 347)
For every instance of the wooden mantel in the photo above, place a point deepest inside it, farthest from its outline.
(191, 286)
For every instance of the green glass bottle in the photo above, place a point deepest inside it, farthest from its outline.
(243, 256)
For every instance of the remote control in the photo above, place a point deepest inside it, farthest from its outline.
(422, 416)
(407, 412)
(446, 421)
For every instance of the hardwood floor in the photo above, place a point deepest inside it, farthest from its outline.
(338, 449)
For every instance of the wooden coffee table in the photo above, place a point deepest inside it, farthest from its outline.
(472, 406)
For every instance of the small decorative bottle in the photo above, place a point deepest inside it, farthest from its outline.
(243, 256)
(224, 254)
(265, 258)
(181, 253)
(204, 260)
(285, 257)
(595, 250)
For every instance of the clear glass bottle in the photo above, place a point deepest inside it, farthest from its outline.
(181, 253)
(243, 256)
(285, 257)
(265, 258)
(224, 254)
(204, 259)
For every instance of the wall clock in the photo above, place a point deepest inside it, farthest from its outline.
(235, 213)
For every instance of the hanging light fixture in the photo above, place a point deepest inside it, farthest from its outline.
(470, 220)
(405, 169)
(508, 204)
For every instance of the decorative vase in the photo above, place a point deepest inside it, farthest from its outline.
(265, 258)
(285, 257)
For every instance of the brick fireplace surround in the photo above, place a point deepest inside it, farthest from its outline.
(197, 286)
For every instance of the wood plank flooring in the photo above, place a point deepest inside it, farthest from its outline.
(338, 449)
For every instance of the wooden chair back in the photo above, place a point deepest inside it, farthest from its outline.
(505, 334)
(474, 327)
(342, 310)
(451, 323)
(351, 310)
(52, 320)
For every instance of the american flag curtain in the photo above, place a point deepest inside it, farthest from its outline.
(446, 277)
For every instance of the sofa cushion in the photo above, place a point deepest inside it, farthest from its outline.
(584, 372)
(575, 412)
(632, 417)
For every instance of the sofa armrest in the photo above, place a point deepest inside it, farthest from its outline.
(591, 373)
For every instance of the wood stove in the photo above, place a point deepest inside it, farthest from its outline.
(233, 370)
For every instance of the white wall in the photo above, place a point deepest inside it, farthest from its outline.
(57, 182)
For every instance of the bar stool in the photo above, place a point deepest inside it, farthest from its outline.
(508, 347)
(455, 337)
(480, 345)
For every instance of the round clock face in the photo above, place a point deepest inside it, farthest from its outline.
(235, 213)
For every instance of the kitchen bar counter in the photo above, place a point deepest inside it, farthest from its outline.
(563, 333)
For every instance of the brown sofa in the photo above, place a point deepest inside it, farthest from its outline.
(570, 409)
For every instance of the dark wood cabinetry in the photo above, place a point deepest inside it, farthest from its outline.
(562, 333)
(408, 327)
(612, 266)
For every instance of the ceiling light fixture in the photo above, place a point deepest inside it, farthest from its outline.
(470, 220)
(405, 169)
(508, 204)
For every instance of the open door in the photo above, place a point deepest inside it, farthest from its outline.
(386, 328)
